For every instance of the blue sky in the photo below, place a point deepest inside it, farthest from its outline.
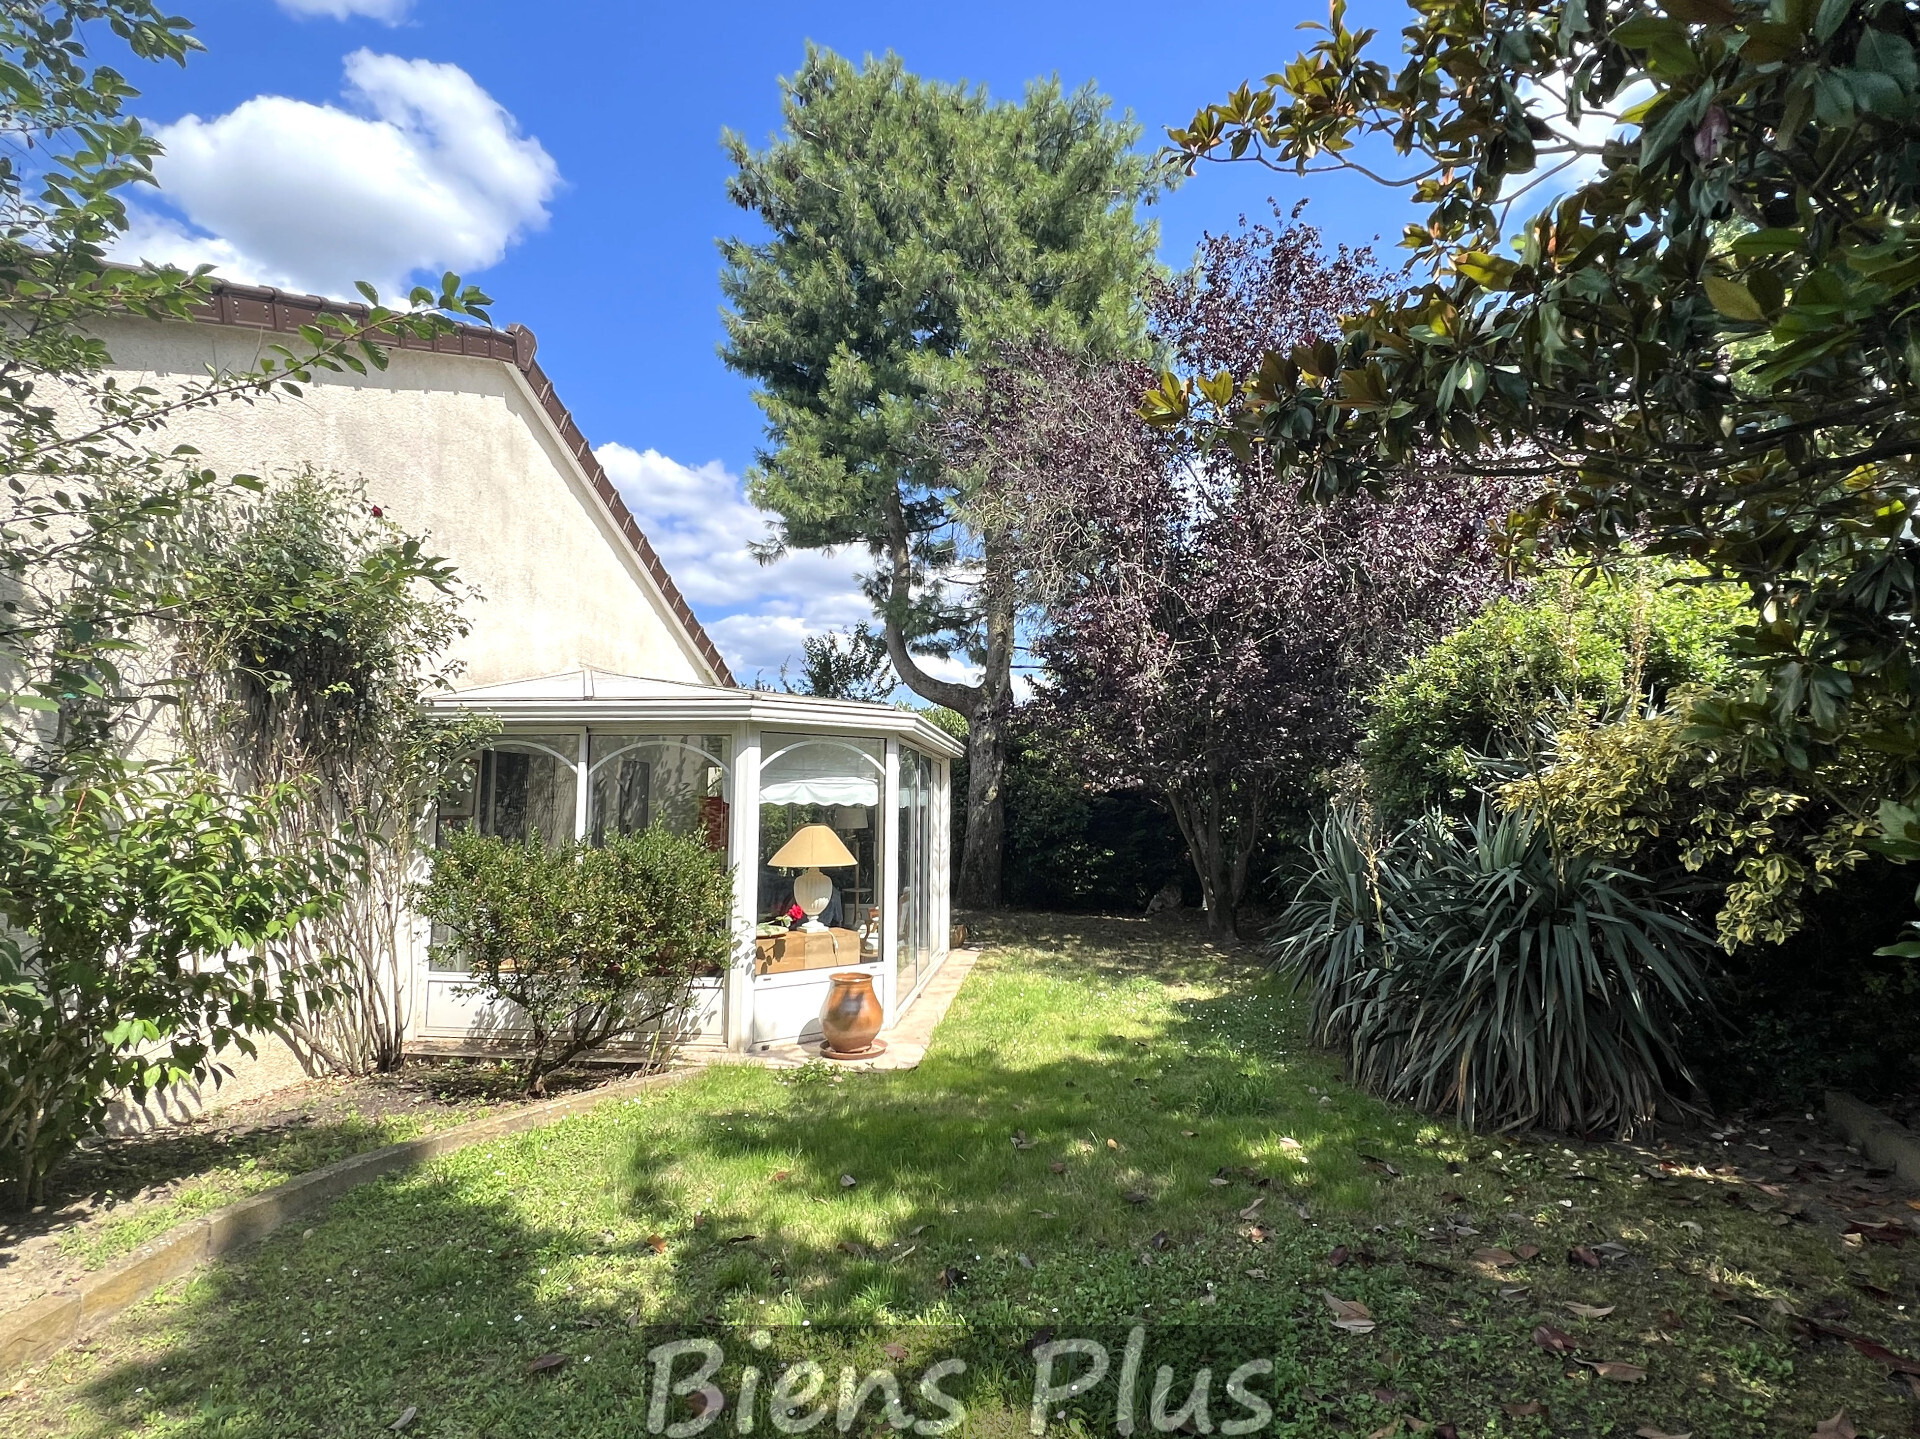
(566, 156)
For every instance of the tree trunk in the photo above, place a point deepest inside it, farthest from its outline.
(987, 707)
(979, 886)
(1200, 827)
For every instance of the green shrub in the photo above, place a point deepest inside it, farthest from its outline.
(1524, 667)
(587, 943)
(1647, 792)
(136, 910)
(1482, 971)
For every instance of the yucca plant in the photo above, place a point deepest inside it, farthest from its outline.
(1482, 971)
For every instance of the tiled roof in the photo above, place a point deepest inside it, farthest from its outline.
(263, 308)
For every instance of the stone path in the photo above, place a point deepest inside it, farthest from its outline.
(906, 1041)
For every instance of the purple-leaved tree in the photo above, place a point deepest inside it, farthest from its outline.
(1209, 630)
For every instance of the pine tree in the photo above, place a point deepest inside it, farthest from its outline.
(917, 230)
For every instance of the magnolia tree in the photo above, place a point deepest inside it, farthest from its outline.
(1210, 628)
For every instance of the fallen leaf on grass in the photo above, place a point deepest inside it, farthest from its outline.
(951, 1278)
(1189, 1134)
(1432, 1268)
(1023, 1261)
(1580, 1254)
(1881, 1233)
(1388, 1397)
(1495, 1258)
(1113, 1144)
(1647, 1431)
(1339, 1256)
(749, 1238)
(1874, 1291)
(1254, 1208)
(546, 1363)
(1136, 1196)
(657, 1243)
(1531, 1409)
(1590, 1311)
(782, 1175)
(1349, 1314)
(847, 1181)
(1613, 1369)
(896, 1352)
(697, 1402)
(1218, 1182)
(1898, 1363)
(1160, 1241)
(1057, 1167)
(1020, 1140)
(918, 1229)
(1838, 1427)
(407, 1416)
(1528, 1251)
(1257, 1233)
(1554, 1341)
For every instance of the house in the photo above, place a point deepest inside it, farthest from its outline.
(617, 710)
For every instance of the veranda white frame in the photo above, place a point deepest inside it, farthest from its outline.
(741, 1010)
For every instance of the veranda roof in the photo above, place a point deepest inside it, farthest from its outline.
(599, 697)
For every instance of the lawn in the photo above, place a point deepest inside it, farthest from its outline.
(1115, 1125)
(122, 1191)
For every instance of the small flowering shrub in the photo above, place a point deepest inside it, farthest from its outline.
(586, 943)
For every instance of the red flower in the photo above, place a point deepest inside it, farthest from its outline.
(794, 912)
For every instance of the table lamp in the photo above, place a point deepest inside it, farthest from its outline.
(811, 847)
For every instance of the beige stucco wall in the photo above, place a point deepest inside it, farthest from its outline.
(456, 449)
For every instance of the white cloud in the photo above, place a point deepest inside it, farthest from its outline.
(426, 172)
(388, 12)
(699, 519)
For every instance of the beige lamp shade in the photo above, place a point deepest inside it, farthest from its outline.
(812, 846)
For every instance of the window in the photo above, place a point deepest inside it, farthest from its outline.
(915, 880)
(517, 788)
(635, 780)
(833, 783)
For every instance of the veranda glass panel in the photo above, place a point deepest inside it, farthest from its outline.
(916, 869)
(805, 781)
(515, 788)
(679, 780)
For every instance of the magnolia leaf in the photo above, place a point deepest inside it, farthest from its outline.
(1349, 1314)
(1733, 299)
(1554, 1341)
(1614, 1370)
(1590, 1311)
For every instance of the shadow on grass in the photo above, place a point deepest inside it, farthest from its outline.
(1138, 1064)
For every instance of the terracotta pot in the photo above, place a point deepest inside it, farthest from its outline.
(851, 1017)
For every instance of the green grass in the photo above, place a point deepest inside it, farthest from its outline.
(1144, 1067)
(222, 1182)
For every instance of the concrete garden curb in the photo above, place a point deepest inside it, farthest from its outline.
(42, 1328)
(1877, 1136)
